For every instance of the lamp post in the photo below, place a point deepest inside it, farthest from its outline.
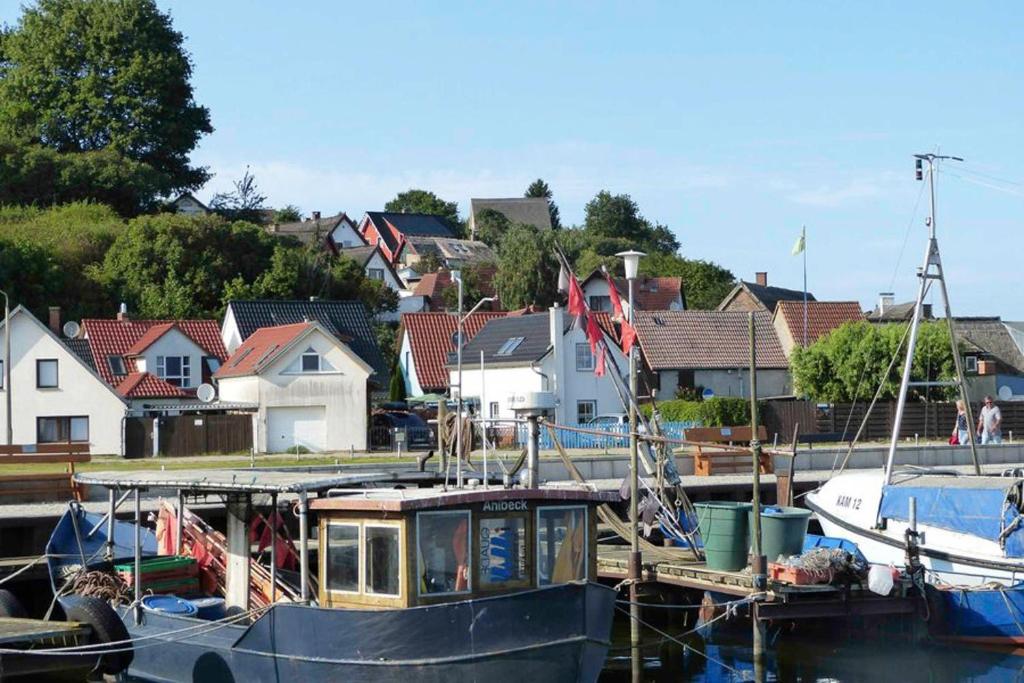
(7, 367)
(457, 276)
(631, 261)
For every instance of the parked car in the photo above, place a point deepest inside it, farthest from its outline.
(383, 423)
(608, 420)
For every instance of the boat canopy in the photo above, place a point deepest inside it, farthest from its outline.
(232, 481)
(986, 507)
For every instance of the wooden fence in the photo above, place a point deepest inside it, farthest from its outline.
(926, 420)
(182, 435)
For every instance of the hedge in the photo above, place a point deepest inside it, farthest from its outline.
(714, 412)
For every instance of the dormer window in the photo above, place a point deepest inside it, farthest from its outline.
(117, 365)
(310, 361)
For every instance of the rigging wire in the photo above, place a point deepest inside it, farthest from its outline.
(906, 237)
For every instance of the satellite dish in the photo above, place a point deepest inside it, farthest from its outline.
(1005, 393)
(206, 393)
(71, 329)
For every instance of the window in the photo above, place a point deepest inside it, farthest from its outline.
(455, 338)
(970, 363)
(600, 303)
(585, 411)
(561, 544)
(62, 430)
(442, 540)
(382, 560)
(310, 361)
(46, 373)
(211, 364)
(375, 273)
(174, 370)
(343, 557)
(509, 346)
(493, 410)
(584, 358)
(117, 366)
(502, 551)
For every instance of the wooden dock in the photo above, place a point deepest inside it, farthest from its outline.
(677, 568)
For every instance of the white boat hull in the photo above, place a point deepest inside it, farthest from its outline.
(847, 507)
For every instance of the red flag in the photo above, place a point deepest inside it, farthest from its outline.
(613, 294)
(628, 337)
(593, 331)
(577, 306)
(599, 364)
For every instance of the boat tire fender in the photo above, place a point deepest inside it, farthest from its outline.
(106, 626)
(10, 606)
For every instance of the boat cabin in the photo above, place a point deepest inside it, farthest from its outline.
(387, 548)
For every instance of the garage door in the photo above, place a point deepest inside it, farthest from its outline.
(304, 426)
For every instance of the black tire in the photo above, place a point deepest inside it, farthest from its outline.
(10, 606)
(106, 626)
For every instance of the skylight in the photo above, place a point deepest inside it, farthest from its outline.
(241, 357)
(509, 346)
(117, 366)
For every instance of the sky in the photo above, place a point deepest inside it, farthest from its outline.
(732, 123)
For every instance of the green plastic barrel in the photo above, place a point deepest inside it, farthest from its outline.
(724, 529)
(783, 530)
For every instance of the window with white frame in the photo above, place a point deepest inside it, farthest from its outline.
(62, 429)
(493, 410)
(584, 358)
(585, 411)
(310, 361)
(375, 273)
(970, 363)
(442, 550)
(176, 370)
(46, 373)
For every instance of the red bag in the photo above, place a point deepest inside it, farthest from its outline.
(954, 440)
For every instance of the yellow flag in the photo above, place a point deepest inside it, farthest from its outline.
(801, 243)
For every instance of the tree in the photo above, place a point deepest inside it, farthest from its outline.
(491, 226)
(28, 273)
(288, 214)
(422, 201)
(527, 271)
(396, 389)
(177, 266)
(244, 203)
(618, 216)
(539, 188)
(474, 288)
(705, 284)
(92, 75)
(849, 363)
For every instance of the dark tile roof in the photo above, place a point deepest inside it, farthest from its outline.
(80, 347)
(310, 230)
(358, 254)
(349, 321)
(683, 340)
(991, 336)
(822, 317)
(768, 296)
(532, 328)
(526, 210)
(430, 337)
(408, 224)
(898, 313)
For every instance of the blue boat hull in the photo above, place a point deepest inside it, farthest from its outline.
(559, 633)
(989, 616)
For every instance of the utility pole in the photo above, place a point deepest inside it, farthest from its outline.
(7, 367)
(457, 274)
(757, 565)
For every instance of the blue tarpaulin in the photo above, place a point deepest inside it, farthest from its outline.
(977, 506)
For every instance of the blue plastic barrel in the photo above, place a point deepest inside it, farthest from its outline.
(169, 604)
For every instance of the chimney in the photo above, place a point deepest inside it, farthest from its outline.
(885, 301)
(316, 215)
(761, 277)
(55, 319)
(556, 332)
(122, 312)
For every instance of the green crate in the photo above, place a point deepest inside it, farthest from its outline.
(162, 563)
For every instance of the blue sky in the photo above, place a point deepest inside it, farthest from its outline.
(733, 126)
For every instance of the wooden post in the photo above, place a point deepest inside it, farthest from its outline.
(757, 567)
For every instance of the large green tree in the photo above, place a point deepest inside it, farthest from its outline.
(851, 362)
(423, 201)
(90, 75)
(527, 270)
(705, 284)
(491, 226)
(618, 216)
(29, 275)
(539, 188)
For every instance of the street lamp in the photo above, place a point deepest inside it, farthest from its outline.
(631, 261)
(457, 276)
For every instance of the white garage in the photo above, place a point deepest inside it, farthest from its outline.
(288, 427)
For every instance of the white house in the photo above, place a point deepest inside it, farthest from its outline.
(538, 352)
(56, 394)
(425, 340)
(379, 268)
(310, 387)
(190, 206)
(649, 293)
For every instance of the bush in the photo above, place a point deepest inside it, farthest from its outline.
(714, 412)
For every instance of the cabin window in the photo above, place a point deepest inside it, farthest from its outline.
(503, 551)
(382, 560)
(442, 544)
(343, 557)
(561, 544)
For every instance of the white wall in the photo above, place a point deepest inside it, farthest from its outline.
(577, 385)
(345, 236)
(737, 382)
(500, 384)
(229, 332)
(342, 391)
(174, 343)
(408, 366)
(80, 392)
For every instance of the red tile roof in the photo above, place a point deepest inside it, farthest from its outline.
(651, 293)
(148, 385)
(432, 285)
(822, 317)
(430, 337)
(147, 339)
(120, 337)
(681, 340)
(261, 348)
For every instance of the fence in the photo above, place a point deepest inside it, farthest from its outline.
(516, 435)
(411, 438)
(924, 420)
(182, 435)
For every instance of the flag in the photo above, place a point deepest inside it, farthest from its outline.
(593, 331)
(613, 294)
(628, 337)
(563, 280)
(599, 368)
(801, 243)
(577, 306)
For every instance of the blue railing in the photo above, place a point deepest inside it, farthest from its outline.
(617, 435)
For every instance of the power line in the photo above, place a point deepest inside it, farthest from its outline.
(906, 238)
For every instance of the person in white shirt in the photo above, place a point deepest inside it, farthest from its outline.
(989, 421)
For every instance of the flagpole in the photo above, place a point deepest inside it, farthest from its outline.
(803, 234)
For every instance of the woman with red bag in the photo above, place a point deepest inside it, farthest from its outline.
(960, 435)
